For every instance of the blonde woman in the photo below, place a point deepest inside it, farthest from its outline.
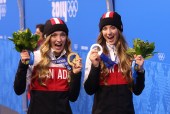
(53, 83)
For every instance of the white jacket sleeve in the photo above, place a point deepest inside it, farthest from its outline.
(37, 58)
(87, 67)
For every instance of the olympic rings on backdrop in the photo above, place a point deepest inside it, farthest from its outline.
(161, 56)
(72, 8)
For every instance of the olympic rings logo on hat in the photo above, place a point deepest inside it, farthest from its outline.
(161, 56)
(72, 8)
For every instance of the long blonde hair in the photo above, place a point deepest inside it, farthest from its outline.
(42, 68)
(124, 60)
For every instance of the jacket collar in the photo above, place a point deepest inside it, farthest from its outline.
(53, 56)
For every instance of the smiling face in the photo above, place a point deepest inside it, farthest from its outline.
(57, 41)
(111, 34)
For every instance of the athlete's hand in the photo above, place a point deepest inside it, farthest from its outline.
(77, 67)
(139, 61)
(94, 57)
(24, 56)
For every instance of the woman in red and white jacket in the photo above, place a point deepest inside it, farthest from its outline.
(53, 83)
(111, 81)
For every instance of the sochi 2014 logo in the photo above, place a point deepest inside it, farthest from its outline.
(64, 9)
(2, 8)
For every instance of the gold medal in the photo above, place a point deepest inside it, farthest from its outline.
(72, 59)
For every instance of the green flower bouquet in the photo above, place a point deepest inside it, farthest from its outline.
(140, 47)
(24, 40)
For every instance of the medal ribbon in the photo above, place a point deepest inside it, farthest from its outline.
(31, 60)
(107, 61)
(134, 74)
(62, 60)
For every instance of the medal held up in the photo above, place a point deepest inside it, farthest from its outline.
(72, 59)
(108, 62)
